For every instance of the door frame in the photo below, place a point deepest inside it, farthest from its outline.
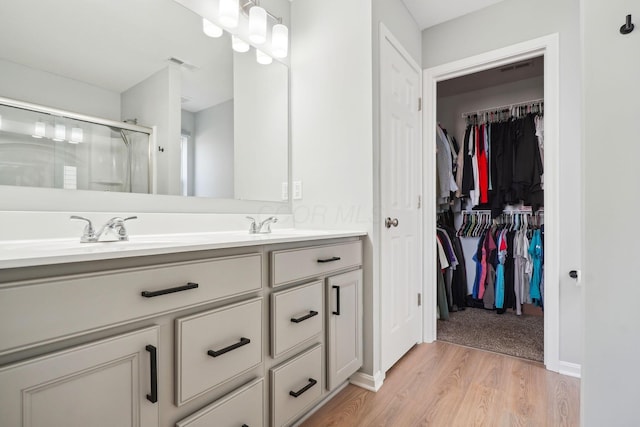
(386, 34)
(547, 46)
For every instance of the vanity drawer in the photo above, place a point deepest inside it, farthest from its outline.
(215, 346)
(241, 407)
(296, 316)
(295, 386)
(64, 307)
(292, 265)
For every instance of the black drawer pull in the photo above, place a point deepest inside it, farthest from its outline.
(216, 353)
(335, 258)
(153, 355)
(244, 425)
(303, 318)
(337, 312)
(312, 382)
(186, 287)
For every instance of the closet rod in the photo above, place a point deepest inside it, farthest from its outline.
(503, 107)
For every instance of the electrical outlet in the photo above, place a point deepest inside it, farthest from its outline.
(297, 190)
(285, 191)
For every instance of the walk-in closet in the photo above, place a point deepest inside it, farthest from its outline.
(490, 209)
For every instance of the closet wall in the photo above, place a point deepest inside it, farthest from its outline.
(485, 95)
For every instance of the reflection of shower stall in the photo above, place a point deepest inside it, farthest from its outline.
(44, 147)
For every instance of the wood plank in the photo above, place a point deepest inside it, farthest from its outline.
(443, 384)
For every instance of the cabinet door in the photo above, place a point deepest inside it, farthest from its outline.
(102, 384)
(344, 334)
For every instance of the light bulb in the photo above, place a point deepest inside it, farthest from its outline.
(238, 44)
(211, 29)
(76, 136)
(59, 132)
(280, 41)
(257, 25)
(263, 58)
(229, 13)
(39, 130)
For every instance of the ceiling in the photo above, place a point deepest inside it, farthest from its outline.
(428, 13)
(495, 76)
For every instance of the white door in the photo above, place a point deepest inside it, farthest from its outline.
(103, 384)
(400, 222)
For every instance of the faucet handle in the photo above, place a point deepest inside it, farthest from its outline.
(253, 227)
(89, 233)
(130, 217)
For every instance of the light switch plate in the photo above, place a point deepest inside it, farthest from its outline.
(297, 190)
(285, 191)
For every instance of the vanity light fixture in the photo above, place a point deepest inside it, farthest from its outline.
(76, 136)
(257, 25)
(211, 29)
(280, 41)
(238, 44)
(39, 130)
(59, 132)
(263, 58)
(229, 13)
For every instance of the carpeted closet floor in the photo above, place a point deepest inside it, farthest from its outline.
(520, 336)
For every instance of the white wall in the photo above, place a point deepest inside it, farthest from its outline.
(50, 90)
(213, 139)
(156, 102)
(610, 173)
(334, 70)
(512, 22)
(331, 108)
(260, 128)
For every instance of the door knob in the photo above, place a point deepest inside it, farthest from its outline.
(388, 222)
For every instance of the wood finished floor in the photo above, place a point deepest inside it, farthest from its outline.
(443, 384)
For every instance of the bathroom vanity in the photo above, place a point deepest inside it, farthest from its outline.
(209, 329)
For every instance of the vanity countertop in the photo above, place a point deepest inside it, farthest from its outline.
(31, 253)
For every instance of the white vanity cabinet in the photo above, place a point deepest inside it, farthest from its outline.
(111, 382)
(316, 325)
(344, 326)
(224, 336)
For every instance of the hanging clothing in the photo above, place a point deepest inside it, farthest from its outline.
(536, 253)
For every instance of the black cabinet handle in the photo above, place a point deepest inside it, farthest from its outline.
(337, 312)
(153, 355)
(244, 425)
(216, 353)
(186, 287)
(573, 274)
(335, 258)
(303, 318)
(312, 382)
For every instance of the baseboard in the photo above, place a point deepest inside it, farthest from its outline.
(366, 381)
(570, 369)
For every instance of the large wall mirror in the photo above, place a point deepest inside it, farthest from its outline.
(219, 120)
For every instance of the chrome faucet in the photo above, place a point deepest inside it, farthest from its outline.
(256, 228)
(115, 226)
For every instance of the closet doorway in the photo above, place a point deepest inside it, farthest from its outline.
(515, 81)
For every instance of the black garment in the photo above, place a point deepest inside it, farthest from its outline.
(468, 183)
(459, 280)
(527, 169)
(502, 159)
